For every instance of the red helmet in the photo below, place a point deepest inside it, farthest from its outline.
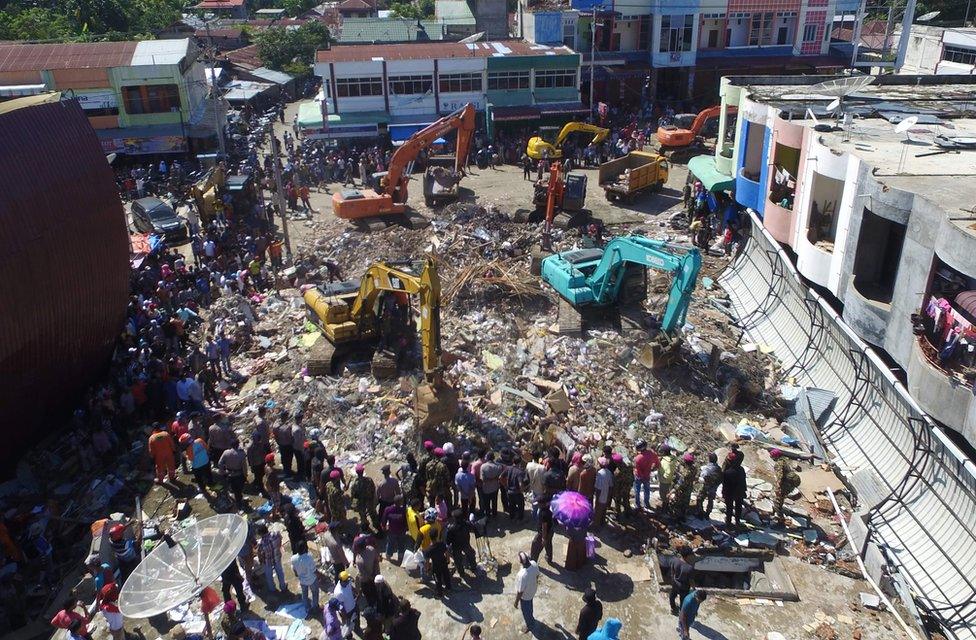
(185, 438)
(116, 532)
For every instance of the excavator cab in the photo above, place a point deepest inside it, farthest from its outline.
(382, 317)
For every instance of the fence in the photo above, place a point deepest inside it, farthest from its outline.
(916, 491)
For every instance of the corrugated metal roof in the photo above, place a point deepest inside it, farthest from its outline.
(64, 268)
(219, 4)
(153, 52)
(277, 77)
(389, 30)
(423, 50)
(454, 11)
(88, 55)
(919, 490)
(245, 57)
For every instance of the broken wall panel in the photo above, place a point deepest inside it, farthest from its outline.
(919, 490)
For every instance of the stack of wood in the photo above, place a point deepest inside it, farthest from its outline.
(494, 273)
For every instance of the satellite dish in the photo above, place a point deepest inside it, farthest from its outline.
(931, 15)
(841, 87)
(833, 104)
(472, 38)
(812, 117)
(179, 568)
(906, 124)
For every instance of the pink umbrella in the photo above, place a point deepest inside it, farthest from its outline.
(571, 509)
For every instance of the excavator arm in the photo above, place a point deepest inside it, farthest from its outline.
(599, 133)
(463, 120)
(703, 117)
(386, 277)
(682, 263)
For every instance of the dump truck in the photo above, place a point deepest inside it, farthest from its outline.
(623, 179)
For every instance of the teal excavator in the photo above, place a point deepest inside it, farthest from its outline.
(616, 276)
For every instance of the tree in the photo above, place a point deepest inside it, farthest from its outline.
(35, 23)
(292, 50)
(421, 9)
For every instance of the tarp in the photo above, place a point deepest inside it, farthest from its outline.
(704, 169)
(401, 132)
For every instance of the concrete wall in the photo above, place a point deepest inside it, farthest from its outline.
(930, 234)
(924, 50)
(916, 490)
(491, 16)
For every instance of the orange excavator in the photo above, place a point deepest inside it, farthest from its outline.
(376, 209)
(680, 136)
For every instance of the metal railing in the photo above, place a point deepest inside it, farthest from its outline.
(929, 487)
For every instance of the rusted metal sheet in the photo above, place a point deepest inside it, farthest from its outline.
(63, 267)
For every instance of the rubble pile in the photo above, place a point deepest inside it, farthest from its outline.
(520, 382)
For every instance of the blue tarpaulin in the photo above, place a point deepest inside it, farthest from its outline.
(401, 132)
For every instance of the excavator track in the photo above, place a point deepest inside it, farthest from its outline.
(370, 225)
(322, 360)
(383, 365)
(413, 220)
(569, 320)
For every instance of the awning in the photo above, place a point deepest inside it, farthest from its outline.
(557, 108)
(400, 132)
(15, 90)
(711, 178)
(506, 114)
(966, 302)
(310, 117)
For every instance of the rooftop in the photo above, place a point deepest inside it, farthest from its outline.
(916, 160)
(454, 11)
(423, 50)
(245, 57)
(389, 30)
(91, 55)
(219, 4)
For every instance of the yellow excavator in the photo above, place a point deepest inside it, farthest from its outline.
(373, 318)
(549, 145)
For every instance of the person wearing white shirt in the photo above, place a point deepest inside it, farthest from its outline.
(604, 482)
(304, 567)
(526, 583)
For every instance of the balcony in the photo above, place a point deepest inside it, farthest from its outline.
(747, 189)
(944, 394)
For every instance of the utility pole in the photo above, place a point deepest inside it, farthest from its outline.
(279, 189)
(213, 92)
(593, 26)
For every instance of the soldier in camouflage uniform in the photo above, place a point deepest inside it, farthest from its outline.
(426, 464)
(438, 478)
(362, 490)
(335, 500)
(623, 481)
(785, 481)
(680, 498)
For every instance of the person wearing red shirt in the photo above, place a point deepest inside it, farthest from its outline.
(645, 462)
(68, 614)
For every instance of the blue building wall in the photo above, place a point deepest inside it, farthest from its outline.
(764, 172)
(589, 5)
(749, 193)
(548, 27)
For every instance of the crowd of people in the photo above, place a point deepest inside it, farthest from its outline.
(432, 514)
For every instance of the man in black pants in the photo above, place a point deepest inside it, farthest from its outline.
(458, 538)
(231, 577)
(438, 562)
(681, 573)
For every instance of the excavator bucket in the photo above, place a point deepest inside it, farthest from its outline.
(434, 403)
(660, 353)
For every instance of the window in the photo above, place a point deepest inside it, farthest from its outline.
(712, 38)
(459, 82)
(569, 34)
(411, 85)
(676, 33)
(761, 29)
(878, 254)
(357, 87)
(644, 33)
(555, 78)
(958, 54)
(809, 32)
(783, 34)
(508, 80)
(154, 98)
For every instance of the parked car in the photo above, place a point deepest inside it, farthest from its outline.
(152, 215)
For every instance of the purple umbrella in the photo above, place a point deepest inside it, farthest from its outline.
(572, 509)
